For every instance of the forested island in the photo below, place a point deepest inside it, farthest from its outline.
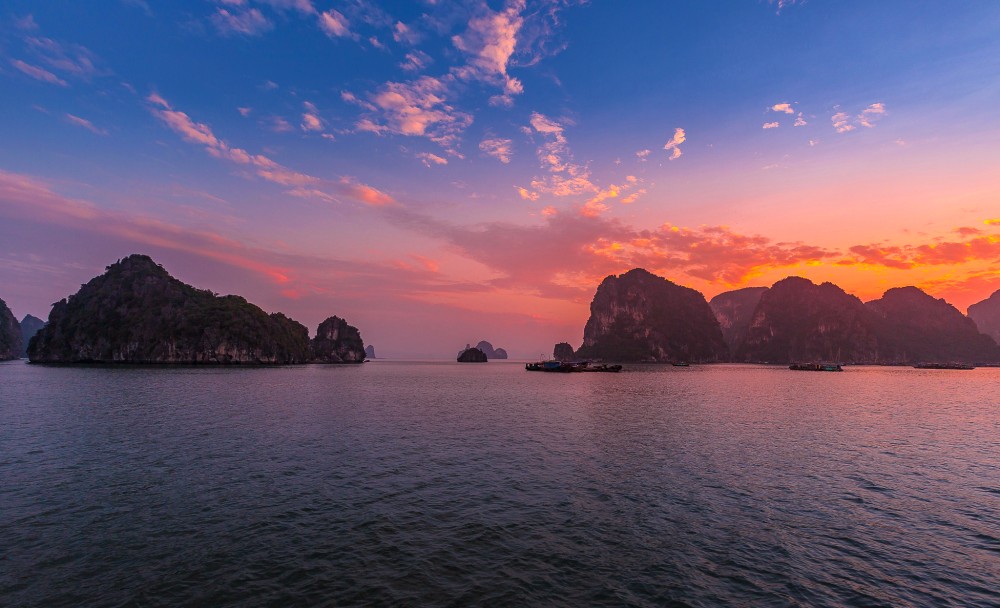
(137, 313)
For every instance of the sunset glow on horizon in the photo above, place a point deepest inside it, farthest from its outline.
(443, 172)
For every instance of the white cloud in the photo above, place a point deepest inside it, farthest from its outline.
(642, 155)
(770, 125)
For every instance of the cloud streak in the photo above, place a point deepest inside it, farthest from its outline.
(262, 166)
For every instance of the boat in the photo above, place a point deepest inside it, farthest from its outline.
(681, 364)
(816, 367)
(565, 367)
(944, 366)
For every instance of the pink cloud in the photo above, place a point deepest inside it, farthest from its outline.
(770, 125)
(431, 159)
(416, 61)
(334, 24)
(38, 73)
(248, 22)
(86, 124)
(674, 145)
(497, 147)
(417, 108)
(490, 41)
(310, 118)
(264, 167)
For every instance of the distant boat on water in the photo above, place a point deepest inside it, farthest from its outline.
(816, 367)
(944, 366)
(565, 367)
(681, 364)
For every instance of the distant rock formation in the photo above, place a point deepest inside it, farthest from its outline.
(797, 320)
(10, 334)
(639, 316)
(734, 310)
(491, 353)
(472, 355)
(370, 352)
(563, 352)
(137, 313)
(916, 327)
(986, 314)
(337, 342)
(30, 325)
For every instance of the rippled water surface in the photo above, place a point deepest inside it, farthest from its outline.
(442, 484)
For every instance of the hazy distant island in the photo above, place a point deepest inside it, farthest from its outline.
(490, 352)
(638, 316)
(370, 352)
(487, 349)
(137, 313)
(30, 325)
(986, 314)
(11, 343)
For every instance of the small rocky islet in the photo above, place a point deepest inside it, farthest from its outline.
(137, 313)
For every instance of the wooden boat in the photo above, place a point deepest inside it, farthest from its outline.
(816, 367)
(944, 366)
(565, 367)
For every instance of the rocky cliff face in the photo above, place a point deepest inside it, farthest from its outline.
(986, 315)
(734, 311)
(639, 316)
(338, 342)
(10, 334)
(137, 313)
(491, 353)
(797, 320)
(563, 352)
(916, 327)
(29, 327)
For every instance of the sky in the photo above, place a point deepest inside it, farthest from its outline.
(441, 172)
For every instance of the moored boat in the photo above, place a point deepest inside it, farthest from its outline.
(944, 366)
(564, 367)
(816, 367)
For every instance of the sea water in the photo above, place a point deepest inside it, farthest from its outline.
(445, 484)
